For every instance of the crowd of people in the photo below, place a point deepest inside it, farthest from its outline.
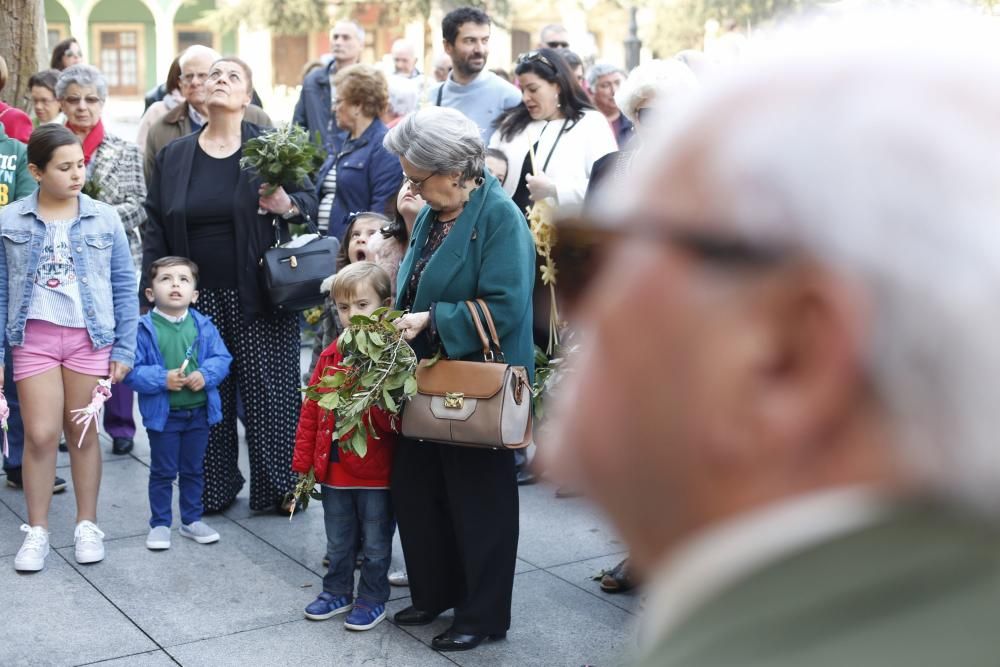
(801, 412)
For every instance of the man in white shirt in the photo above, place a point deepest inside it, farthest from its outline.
(404, 59)
(786, 398)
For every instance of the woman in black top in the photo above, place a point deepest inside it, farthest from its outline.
(203, 206)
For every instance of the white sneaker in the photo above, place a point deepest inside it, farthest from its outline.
(31, 556)
(200, 532)
(399, 578)
(158, 538)
(89, 541)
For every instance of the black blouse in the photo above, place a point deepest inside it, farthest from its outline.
(209, 218)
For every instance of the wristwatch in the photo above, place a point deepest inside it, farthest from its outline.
(290, 213)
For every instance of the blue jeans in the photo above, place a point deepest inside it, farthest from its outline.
(179, 449)
(345, 511)
(15, 427)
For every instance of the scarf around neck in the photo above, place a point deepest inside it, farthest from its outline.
(91, 141)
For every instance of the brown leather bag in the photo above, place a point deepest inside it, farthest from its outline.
(470, 403)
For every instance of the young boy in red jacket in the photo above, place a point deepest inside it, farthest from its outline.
(355, 490)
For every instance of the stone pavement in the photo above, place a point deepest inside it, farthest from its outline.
(240, 601)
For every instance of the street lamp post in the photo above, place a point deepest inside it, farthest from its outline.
(632, 43)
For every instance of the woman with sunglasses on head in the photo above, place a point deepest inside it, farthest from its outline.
(203, 206)
(567, 133)
(457, 507)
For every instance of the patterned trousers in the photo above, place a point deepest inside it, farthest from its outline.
(265, 371)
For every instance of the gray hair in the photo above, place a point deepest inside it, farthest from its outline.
(404, 94)
(602, 69)
(196, 50)
(354, 24)
(662, 79)
(81, 75)
(439, 139)
(872, 144)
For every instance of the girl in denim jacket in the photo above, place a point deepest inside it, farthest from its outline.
(68, 293)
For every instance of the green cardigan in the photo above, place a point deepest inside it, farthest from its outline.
(922, 587)
(488, 254)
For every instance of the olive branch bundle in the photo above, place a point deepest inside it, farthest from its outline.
(378, 370)
(282, 155)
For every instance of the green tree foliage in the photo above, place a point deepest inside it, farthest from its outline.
(287, 17)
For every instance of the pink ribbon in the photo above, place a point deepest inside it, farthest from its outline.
(89, 414)
(4, 414)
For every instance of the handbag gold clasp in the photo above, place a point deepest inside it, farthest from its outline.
(294, 262)
(454, 400)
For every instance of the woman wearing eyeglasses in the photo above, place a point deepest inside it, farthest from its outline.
(202, 205)
(114, 176)
(567, 133)
(457, 507)
(358, 174)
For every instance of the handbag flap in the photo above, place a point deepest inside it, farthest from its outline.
(473, 379)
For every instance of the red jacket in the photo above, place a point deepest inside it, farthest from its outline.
(315, 448)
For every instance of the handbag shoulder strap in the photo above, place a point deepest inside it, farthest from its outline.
(489, 322)
(479, 328)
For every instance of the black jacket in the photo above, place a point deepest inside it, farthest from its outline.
(165, 231)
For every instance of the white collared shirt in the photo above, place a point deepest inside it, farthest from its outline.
(170, 318)
(721, 555)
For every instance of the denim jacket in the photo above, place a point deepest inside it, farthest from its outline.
(103, 267)
(149, 377)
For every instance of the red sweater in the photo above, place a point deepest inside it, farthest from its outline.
(16, 123)
(315, 448)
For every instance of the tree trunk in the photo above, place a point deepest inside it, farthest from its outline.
(18, 47)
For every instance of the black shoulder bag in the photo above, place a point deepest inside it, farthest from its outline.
(292, 276)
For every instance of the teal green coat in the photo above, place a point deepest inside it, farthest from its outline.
(489, 254)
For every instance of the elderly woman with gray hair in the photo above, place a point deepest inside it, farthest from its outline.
(457, 507)
(114, 176)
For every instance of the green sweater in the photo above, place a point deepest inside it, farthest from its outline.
(175, 340)
(15, 179)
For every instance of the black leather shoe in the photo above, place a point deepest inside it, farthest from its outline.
(121, 446)
(456, 641)
(414, 616)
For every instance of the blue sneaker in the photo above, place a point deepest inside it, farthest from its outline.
(365, 615)
(327, 606)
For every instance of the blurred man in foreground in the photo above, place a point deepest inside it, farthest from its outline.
(787, 399)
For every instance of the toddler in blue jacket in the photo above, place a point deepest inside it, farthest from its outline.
(180, 360)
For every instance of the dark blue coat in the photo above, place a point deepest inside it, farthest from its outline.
(149, 376)
(312, 111)
(368, 176)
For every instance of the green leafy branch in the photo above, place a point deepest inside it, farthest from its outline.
(283, 155)
(378, 370)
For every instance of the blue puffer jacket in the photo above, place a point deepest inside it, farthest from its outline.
(368, 176)
(149, 376)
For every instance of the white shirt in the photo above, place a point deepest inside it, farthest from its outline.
(569, 168)
(721, 555)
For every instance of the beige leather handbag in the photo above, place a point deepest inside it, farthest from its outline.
(470, 403)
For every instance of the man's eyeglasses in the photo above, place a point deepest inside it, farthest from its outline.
(192, 76)
(557, 45)
(90, 100)
(416, 185)
(535, 56)
(581, 250)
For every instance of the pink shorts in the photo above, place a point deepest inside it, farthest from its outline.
(47, 346)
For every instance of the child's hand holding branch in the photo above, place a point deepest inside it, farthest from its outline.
(176, 379)
(195, 381)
